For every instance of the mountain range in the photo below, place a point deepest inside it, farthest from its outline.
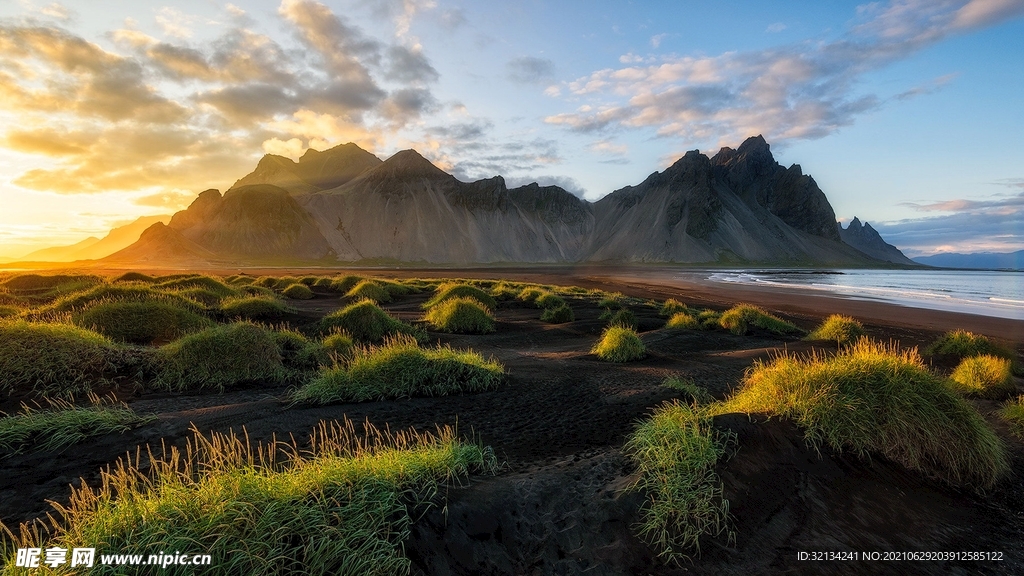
(346, 205)
(979, 261)
(93, 248)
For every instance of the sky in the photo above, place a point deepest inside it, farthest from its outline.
(908, 114)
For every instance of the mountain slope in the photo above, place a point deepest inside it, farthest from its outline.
(869, 241)
(162, 245)
(94, 248)
(314, 171)
(981, 260)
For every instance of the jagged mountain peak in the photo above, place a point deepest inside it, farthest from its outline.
(407, 164)
(866, 239)
(315, 171)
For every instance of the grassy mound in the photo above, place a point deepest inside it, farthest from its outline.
(530, 293)
(265, 282)
(502, 292)
(338, 344)
(619, 344)
(141, 322)
(452, 291)
(873, 398)
(1013, 413)
(622, 317)
(133, 277)
(682, 320)
(284, 282)
(549, 300)
(401, 369)
(344, 284)
(557, 315)
(464, 315)
(343, 507)
(118, 293)
(297, 292)
(63, 424)
(9, 311)
(253, 308)
(220, 357)
(365, 322)
(675, 453)
(48, 287)
(251, 290)
(323, 283)
(611, 300)
(741, 317)
(963, 344)
(985, 376)
(206, 282)
(838, 328)
(202, 296)
(672, 307)
(369, 290)
(709, 319)
(51, 359)
(300, 353)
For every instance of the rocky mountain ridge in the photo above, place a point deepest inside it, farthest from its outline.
(866, 239)
(345, 205)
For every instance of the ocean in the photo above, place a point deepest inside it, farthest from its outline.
(999, 294)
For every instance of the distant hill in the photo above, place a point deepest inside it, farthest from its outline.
(95, 248)
(161, 244)
(345, 205)
(866, 239)
(982, 260)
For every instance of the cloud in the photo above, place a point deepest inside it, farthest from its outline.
(799, 91)
(530, 70)
(410, 65)
(452, 18)
(995, 224)
(172, 200)
(775, 28)
(567, 183)
(56, 10)
(656, 40)
(608, 148)
(175, 23)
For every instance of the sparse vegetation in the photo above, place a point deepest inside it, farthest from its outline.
(339, 344)
(366, 322)
(400, 368)
(530, 293)
(206, 282)
(134, 277)
(297, 291)
(253, 308)
(1013, 413)
(344, 507)
(558, 315)
(874, 398)
(369, 290)
(619, 344)
(621, 317)
(344, 284)
(740, 318)
(502, 292)
(682, 320)
(452, 291)
(549, 300)
(961, 344)
(463, 315)
(985, 376)
(610, 300)
(676, 451)
(220, 357)
(51, 359)
(688, 387)
(838, 328)
(300, 353)
(672, 307)
(141, 322)
(62, 424)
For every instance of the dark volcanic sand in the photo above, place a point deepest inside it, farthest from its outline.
(558, 423)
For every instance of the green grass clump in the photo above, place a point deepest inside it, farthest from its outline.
(549, 300)
(401, 369)
(838, 328)
(265, 282)
(141, 322)
(297, 292)
(963, 344)
(682, 320)
(63, 424)
(116, 293)
(464, 315)
(558, 315)
(619, 344)
(344, 506)
(51, 359)
(308, 280)
(451, 291)
(366, 322)
(874, 398)
(671, 307)
(133, 277)
(502, 292)
(338, 344)
(530, 293)
(300, 353)
(741, 317)
(610, 300)
(621, 317)
(369, 290)
(676, 451)
(218, 358)
(709, 319)
(985, 376)
(46, 288)
(205, 282)
(253, 308)
(252, 290)
(344, 284)
(201, 296)
(1013, 413)
(9, 311)
(323, 283)
(688, 387)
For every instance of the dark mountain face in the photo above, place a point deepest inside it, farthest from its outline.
(869, 241)
(343, 203)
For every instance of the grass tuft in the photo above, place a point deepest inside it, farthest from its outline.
(297, 291)
(51, 359)
(689, 387)
(621, 317)
(345, 506)
(676, 451)
(63, 424)
(463, 315)
(874, 398)
(369, 290)
(741, 317)
(144, 322)
(344, 284)
(838, 328)
(682, 320)
(452, 291)
(220, 357)
(366, 322)
(619, 344)
(558, 315)
(549, 300)
(671, 307)
(963, 344)
(133, 277)
(400, 368)
(1013, 413)
(985, 376)
(205, 282)
(253, 308)
(530, 293)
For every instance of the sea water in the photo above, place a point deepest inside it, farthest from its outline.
(988, 293)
